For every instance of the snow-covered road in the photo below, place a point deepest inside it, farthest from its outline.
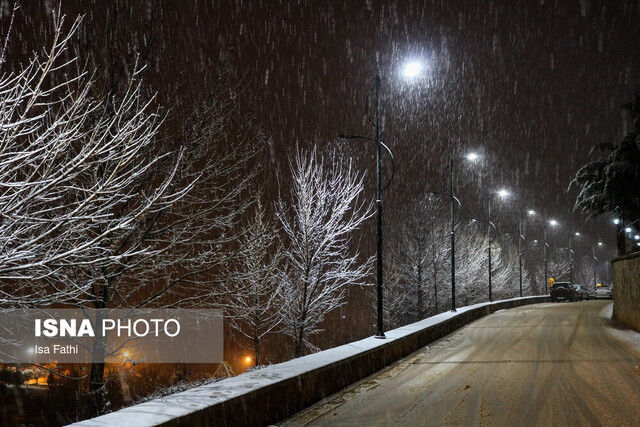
(544, 364)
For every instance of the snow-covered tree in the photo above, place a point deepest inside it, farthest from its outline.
(533, 267)
(68, 175)
(196, 237)
(412, 257)
(559, 265)
(252, 309)
(506, 280)
(417, 282)
(610, 182)
(173, 255)
(71, 172)
(439, 289)
(97, 210)
(471, 264)
(318, 221)
(583, 272)
(399, 304)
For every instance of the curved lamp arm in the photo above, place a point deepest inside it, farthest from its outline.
(393, 161)
(492, 225)
(457, 221)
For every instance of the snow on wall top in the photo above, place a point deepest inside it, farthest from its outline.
(180, 404)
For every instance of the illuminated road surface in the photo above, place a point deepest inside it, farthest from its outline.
(544, 364)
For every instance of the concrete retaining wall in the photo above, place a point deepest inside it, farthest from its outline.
(274, 393)
(626, 290)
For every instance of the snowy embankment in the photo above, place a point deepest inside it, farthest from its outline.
(626, 335)
(278, 391)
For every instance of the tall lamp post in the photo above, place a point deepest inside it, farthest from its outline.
(531, 213)
(595, 259)
(435, 270)
(553, 223)
(489, 225)
(453, 200)
(545, 245)
(411, 69)
(503, 194)
(380, 333)
(379, 192)
(572, 255)
(520, 237)
(433, 255)
(624, 233)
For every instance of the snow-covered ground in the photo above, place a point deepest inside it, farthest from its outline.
(629, 336)
(180, 404)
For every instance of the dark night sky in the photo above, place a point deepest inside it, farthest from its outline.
(532, 84)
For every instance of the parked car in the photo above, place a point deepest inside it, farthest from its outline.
(582, 293)
(604, 292)
(564, 291)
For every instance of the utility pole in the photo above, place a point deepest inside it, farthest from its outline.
(380, 333)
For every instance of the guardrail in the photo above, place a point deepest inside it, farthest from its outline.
(278, 391)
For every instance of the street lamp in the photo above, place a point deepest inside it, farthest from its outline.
(412, 69)
(380, 191)
(435, 269)
(433, 257)
(630, 235)
(503, 194)
(380, 333)
(553, 223)
(472, 156)
(453, 200)
(531, 213)
(520, 238)
(571, 255)
(594, 260)
(545, 245)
